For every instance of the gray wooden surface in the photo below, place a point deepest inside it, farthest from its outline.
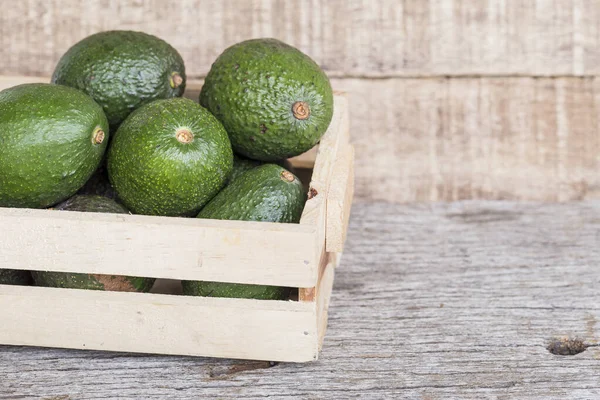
(431, 302)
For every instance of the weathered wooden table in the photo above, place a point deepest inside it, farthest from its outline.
(440, 301)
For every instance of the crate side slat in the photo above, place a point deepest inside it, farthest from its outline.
(160, 324)
(314, 213)
(339, 200)
(324, 292)
(161, 247)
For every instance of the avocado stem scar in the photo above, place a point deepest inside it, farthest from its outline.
(98, 136)
(184, 136)
(301, 110)
(175, 80)
(287, 176)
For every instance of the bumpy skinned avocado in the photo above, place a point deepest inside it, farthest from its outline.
(273, 100)
(14, 277)
(122, 70)
(52, 138)
(92, 281)
(170, 157)
(264, 193)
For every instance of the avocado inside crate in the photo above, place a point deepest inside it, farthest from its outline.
(171, 249)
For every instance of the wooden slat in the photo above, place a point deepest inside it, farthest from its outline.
(161, 324)
(161, 247)
(315, 211)
(383, 38)
(324, 291)
(339, 200)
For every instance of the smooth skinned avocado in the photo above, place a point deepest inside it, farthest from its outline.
(273, 100)
(170, 157)
(122, 70)
(52, 138)
(92, 281)
(265, 193)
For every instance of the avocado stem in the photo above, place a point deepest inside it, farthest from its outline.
(175, 80)
(287, 176)
(184, 136)
(301, 110)
(98, 136)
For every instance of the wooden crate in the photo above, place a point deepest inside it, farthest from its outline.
(301, 255)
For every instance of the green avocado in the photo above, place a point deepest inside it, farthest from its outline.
(122, 70)
(264, 193)
(14, 277)
(92, 281)
(234, 290)
(170, 157)
(273, 100)
(52, 138)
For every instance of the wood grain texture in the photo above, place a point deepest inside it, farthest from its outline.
(421, 140)
(159, 247)
(358, 38)
(339, 200)
(159, 324)
(432, 302)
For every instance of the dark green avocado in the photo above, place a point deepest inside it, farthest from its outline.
(92, 281)
(52, 138)
(273, 100)
(14, 277)
(234, 290)
(264, 193)
(122, 70)
(170, 157)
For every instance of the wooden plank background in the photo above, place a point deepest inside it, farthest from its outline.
(451, 99)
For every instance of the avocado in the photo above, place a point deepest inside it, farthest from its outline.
(234, 290)
(169, 157)
(52, 138)
(14, 277)
(122, 70)
(99, 184)
(273, 100)
(92, 281)
(264, 193)
(242, 164)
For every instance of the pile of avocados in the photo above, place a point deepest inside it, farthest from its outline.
(112, 133)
